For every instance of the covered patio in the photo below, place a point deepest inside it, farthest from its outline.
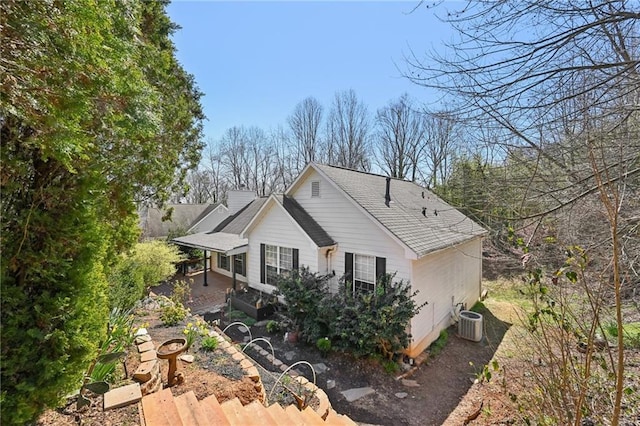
(204, 299)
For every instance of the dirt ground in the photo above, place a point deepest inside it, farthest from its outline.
(442, 381)
(210, 373)
(445, 388)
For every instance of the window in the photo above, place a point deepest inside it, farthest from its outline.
(276, 261)
(363, 271)
(315, 189)
(223, 261)
(238, 264)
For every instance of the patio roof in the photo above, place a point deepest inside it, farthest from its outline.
(222, 242)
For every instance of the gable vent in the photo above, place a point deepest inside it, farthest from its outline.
(315, 188)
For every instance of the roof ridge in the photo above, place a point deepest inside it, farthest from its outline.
(364, 172)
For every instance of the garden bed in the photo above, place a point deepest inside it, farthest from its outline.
(252, 303)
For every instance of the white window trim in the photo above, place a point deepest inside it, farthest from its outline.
(360, 279)
(228, 268)
(278, 265)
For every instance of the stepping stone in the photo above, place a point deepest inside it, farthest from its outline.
(142, 332)
(320, 367)
(289, 356)
(356, 393)
(401, 395)
(410, 383)
(143, 373)
(148, 356)
(122, 396)
(146, 346)
(187, 358)
(141, 339)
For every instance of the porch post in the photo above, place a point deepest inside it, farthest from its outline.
(233, 266)
(205, 269)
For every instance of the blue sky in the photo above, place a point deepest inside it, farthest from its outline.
(255, 61)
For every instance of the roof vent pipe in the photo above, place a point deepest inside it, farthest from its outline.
(387, 196)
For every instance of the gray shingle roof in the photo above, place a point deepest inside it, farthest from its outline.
(183, 217)
(306, 222)
(235, 224)
(441, 225)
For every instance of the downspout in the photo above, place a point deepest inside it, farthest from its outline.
(327, 255)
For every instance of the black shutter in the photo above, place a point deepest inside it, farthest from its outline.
(348, 266)
(295, 258)
(262, 263)
(381, 267)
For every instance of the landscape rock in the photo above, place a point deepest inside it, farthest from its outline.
(146, 346)
(142, 339)
(401, 395)
(356, 393)
(410, 383)
(122, 396)
(320, 367)
(187, 358)
(331, 384)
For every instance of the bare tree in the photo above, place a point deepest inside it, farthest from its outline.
(200, 187)
(304, 123)
(441, 140)
(563, 79)
(347, 132)
(235, 156)
(400, 138)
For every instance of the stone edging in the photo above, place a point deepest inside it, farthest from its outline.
(324, 406)
(148, 372)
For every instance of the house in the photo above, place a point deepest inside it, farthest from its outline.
(361, 225)
(185, 218)
(224, 249)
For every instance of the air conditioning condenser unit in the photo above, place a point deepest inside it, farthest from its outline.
(470, 326)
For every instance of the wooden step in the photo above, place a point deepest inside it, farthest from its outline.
(213, 411)
(280, 415)
(311, 417)
(258, 412)
(160, 409)
(190, 411)
(346, 420)
(294, 414)
(234, 411)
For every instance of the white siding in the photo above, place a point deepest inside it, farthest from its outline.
(229, 273)
(277, 228)
(444, 279)
(349, 227)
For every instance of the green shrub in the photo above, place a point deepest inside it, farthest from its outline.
(126, 283)
(173, 313)
(209, 343)
(323, 344)
(365, 323)
(273, 326)
(156, 260)
(304, 293)
(146, 265)
(181, 292)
